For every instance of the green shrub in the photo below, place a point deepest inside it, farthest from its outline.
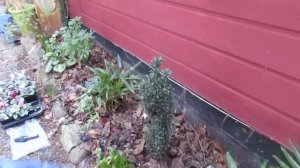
(115, 159)
(67, 47)
(157, 100)
(107, 87)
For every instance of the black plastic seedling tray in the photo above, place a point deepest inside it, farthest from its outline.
(34, 100)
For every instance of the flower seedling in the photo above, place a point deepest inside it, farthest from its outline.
(12, 97)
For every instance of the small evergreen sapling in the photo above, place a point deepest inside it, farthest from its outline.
(157, 100)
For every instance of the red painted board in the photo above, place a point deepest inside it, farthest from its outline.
(279, 13)
(252, 81)
(253, 43)
(260, 117)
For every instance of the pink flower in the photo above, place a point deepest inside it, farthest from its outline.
(3, 104)
(21, 102)
(13, 94)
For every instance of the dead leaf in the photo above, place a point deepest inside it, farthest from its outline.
(127, 125)
(139, 110)
(106, 129)
(151, 164)
(72, 97)
(178, 120)
(139, 148)
(93, 133)
(177, 162)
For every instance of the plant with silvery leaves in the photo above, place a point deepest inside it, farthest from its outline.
(12, 96)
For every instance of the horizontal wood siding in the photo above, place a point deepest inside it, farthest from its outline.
(242, 56)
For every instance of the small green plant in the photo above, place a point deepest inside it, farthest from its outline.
(115, 159)
(293, 159)
(230, 161)
(93, 117)
(107, 87)
(67, 47)
(51, 90)
(157, 100)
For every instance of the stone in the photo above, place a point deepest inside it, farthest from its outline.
(28, 41)
(58, 110)
(41, 76)
(77, 155)
(172, 152)
(177, 162)
(62, 121)
(36, 54)
(70, 136)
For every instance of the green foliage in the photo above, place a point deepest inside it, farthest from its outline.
(25, 18)
(50, 90)
(107, 87)
(67, 47)
(115, 159)
(230, 162)
(293, 159)
(93, 117)
(157, 100)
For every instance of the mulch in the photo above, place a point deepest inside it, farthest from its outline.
(191, 145)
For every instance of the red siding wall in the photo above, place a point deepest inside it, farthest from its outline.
(243, 56)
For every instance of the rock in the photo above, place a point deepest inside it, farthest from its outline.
(36, 54)
(62, 121)
(127, 125)
(177, 162)
(58, 110)
(41, 76)
(151, 164)
(163, 164)
(172, 152)
(28, 42)
(77, 155)
(70, 136)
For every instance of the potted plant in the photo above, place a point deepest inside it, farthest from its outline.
(17, 100)
(24, 16)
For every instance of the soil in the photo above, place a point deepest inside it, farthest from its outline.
(191, 146)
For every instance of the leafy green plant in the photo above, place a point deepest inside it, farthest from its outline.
(157, 100)
(12, 97)
(25, 18)
(67, 47)
(93, 117)
(51, 90)
(115, 159)
(107, 87)
(293, 159)
(230, 161)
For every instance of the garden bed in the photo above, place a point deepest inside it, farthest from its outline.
(191, 146)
